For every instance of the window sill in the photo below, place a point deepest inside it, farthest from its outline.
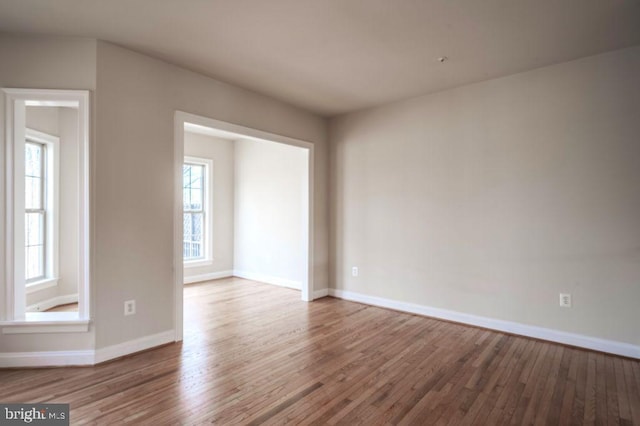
(41, 285)
(197, 263)
(46, 322)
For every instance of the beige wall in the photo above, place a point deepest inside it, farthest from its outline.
(488, 199)
(43, 119)
(258, 200)
(134, 100)
(271, 198)
(53, 63)
(133, 212)
(491, 199)
(220, 151)
(69, 184)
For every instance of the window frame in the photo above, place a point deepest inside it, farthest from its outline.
(13, 316)
(41, 212)
(207, 209)
(50, 204)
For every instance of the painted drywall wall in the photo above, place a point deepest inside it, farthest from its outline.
(491, 199)
(63, 123)
(270, 197)
(43, 119)
(69, 184)
(133, 180)
(220, 152)
(134, 98)
(54, 63)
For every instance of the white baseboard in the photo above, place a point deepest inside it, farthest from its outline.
(579, 340)
(53, 302)
(282, 282)
(207, 277)
(133, 346)
(46, 359)
(83, 357)
(319, 294)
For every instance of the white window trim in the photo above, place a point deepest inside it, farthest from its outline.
(34, 287)
(52, 181)
(198, 262)
(208, 212)
(13, 318)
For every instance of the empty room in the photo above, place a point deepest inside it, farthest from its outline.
(370, 212)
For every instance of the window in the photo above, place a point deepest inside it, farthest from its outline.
(196, 225)
(35, 210)
(193, 195)
(41, 189)
(32, 190)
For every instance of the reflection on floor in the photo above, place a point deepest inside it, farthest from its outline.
(69, 307)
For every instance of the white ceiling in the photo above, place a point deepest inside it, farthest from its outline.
(335, 56)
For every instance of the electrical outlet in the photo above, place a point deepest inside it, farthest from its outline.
(129, 307)
(565, 300)
(354, 271)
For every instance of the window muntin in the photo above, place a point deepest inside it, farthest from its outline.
(193, 192)
(35, 211)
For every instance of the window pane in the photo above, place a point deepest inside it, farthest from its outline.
(34, 262)
(186, 245)
(196, 230)
(196, 199)
(34, 229)
(193, 243)
(196, 176)
(34, 222)
(33, 159)
(193, 186)
(186, 197)
(32, 192)
(186, 185)
(193, 204)
(196, 236)
(187, 226)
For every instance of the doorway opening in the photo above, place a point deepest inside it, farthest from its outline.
(243, 206)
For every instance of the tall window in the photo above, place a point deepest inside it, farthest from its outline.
(193, 191)
(33, 204)
(35, 220)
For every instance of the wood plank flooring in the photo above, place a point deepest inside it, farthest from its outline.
(255, 354)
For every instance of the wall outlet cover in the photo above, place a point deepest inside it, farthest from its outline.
(129, 307)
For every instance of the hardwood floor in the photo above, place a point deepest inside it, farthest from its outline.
(255, 354)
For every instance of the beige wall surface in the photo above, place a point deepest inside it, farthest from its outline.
(220, 151)
(69, 184)
(133, 180)
(271, 194)
(43, 63)
(132, 136)
(43, 119)
(491, 199)
(488, 199)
